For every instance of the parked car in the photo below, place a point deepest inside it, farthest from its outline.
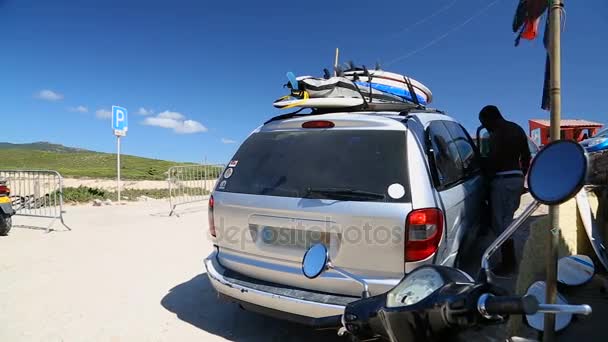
(385, 192)
(598, 142)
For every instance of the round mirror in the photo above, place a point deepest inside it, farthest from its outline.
(315, 261)
(575, 270)
(557, 172)
(537, 321)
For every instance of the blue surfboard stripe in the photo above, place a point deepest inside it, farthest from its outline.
(580, 261)
(404, 93)
(598, 147)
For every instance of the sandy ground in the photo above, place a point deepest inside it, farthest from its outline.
(128, 273)
(124, 273)
(110, 184)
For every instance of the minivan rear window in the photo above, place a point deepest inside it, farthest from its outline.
(332, 164)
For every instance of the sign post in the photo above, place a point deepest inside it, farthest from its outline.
(120, 125)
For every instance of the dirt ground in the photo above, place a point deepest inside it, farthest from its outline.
(124, 273)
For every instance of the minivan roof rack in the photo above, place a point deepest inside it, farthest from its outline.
(288, 116)
(404, 108)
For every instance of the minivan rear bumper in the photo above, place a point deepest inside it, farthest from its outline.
(279, 301)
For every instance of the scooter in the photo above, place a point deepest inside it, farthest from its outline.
(6, 208)
(436, 303)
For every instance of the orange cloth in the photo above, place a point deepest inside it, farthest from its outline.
(530, 29)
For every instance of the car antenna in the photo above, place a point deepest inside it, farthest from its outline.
(338, 71)
(369, 80)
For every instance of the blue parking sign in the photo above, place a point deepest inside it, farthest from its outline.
(120, 123)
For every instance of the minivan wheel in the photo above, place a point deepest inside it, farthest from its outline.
(5, 224)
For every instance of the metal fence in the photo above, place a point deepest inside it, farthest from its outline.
(36, 193)
(188, 184)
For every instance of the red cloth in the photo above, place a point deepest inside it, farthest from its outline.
(530, 30)
(528, 10)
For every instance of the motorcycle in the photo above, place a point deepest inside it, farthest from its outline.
(436, 303)
(6, 208)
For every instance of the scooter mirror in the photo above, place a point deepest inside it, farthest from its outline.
(537, 320)
(575, 270)
(315, 261)
(557, 172)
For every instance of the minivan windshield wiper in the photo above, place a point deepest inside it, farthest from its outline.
(343, 193)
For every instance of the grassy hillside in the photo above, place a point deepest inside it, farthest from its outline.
(73, 162)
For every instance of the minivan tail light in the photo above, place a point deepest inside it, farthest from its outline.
(318, 124)
(424, 228)
(210, 215)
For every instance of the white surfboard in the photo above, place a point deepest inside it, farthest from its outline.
(536, 321)
(320, 102)
(575, 270)
(593, 233)
(394, 80)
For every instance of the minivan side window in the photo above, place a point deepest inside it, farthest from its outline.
(448, 165)
(465, 147)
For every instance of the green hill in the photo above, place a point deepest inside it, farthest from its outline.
(75, 162)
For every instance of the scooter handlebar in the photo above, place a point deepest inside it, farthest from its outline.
(490, 306)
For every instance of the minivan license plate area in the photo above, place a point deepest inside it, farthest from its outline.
(288, 237)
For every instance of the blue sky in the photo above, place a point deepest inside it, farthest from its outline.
(207, 72)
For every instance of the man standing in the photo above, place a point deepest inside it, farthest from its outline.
(507, 164)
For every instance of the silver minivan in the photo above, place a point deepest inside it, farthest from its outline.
(386, 192)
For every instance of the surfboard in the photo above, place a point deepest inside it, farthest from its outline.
(292, 80)
(575, 270)
(392, 79)
(593, 233)
(399, 91)
(536, 321)
(319, 102)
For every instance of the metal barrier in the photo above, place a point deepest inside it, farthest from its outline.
(36, 193)
(188, 184)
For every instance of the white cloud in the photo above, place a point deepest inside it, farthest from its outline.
(49, 95)
(175, 121)
(228, 141)
(171, 115)
(79, 109)
(161, 122)
(103, 114)
(144, 111)
(189, 127)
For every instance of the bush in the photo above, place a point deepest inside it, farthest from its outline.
(84, 194)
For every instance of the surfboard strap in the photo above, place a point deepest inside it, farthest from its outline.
(304, 95)
(410, 87)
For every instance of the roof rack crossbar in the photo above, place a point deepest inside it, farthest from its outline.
(287, 116)
(403, 109)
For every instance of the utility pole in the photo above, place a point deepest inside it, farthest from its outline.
(555, 12)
